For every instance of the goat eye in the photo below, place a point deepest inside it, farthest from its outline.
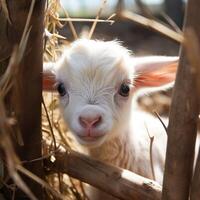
(61, 89)
(124, 90)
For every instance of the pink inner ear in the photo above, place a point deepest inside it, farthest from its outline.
(48, 82)
(156, 78)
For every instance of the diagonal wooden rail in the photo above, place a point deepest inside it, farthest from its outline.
(115, 181)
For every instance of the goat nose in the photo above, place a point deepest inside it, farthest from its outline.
(90, 122)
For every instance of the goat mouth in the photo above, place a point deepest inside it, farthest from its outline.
(90, 138)
(91, 141)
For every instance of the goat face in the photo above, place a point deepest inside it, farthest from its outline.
(95, 85)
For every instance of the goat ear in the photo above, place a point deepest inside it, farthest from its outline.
(49, 78)
(155, 72)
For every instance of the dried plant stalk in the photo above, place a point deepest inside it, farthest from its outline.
(97, 18)
(154, 25)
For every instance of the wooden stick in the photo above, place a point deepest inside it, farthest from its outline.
(152, 24)
(183, 121)
(27, 92)
(120, 183)
(193, 49)
(86, 20)
(97, 18)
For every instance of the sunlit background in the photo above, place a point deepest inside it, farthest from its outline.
(90, 7)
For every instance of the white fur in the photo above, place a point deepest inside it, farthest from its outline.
(92, 72)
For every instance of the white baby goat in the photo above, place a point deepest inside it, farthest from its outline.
(98, 82)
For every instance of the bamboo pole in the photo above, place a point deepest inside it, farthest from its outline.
(28, 90)
(183, 121)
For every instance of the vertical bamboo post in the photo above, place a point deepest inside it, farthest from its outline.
(182, 122)
(29, 85)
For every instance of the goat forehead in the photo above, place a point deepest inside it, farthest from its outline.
(106, 72)
(96, 63)
(94, 73)
(99, 78)
(92, 61)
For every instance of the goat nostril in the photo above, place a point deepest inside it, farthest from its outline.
(82, 122)
(87, 122)
(96, 121)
